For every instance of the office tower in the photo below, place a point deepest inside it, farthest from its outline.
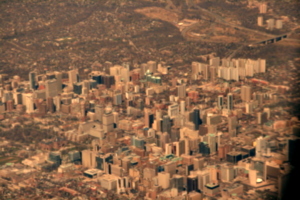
(230, 101)
(164, 180)
(192, 183)
(73, 76)
(182, 107)
(149, 118)
(108, 122)
(77, 88)
(138, 142)
(177, 182)
(213, 73)
(246, 93)
(204, 148)
(196, 118)
(50, 104)
(108, 81)
(118, 99)
(55, 157)
(170, 168)
(124, 75)
(74, 156)
(51, 88)
(166, 124)
(252, 176)
(220, 101)
(101, 160)
(99, 110)
(212, 143)
(175, 133)
(198, 163)
(32, 80)
(181, 91)
(173, 110)
(227, 172)
(58, 76)
(232, 125)
(249, 107)
(27, 99)
(206, 71)
(179, 148)
(292, 155)
(151, 65)
(57, 103)
(261, 146)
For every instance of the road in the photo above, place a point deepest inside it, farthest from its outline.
(220, 20)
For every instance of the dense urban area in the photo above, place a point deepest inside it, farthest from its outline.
(149, 99)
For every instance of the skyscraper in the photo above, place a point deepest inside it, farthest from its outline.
(166, 124)
(73, 76)
(51, 88)
(220, 101)
(192, 183)
(229, 101)
(246, 93)
(196, 119)
(227, 172)
(32, 80)
(181, 90)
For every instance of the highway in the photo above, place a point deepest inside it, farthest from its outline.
(220, 20)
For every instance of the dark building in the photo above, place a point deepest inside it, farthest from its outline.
(177, 182)
(98, 79)
(77, 88)
(166, 124)
(234, 156)
(100, 160)
(192, 183)
(196, 119)
(292, 154)
(108, 81)
(55, 158)
(204, 148)
(250, 150)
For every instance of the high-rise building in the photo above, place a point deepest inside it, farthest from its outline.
(99, 110)
(215, 62)
(32, 80)
(220, 101)
(151, 65)
(177, 182)
(173, 110)
(166, 124)
(181, 90)
(271, 23)
(213, 73)
(192, 183)
(263, 8)
(227, 172)
(279, 24)
(27, 100)
(230, 101)
(73, 76)
(58, 76)
(164, 180)
(246, 93)
(51, 88)
(260, 21)
(108, 122)
(196, 118)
